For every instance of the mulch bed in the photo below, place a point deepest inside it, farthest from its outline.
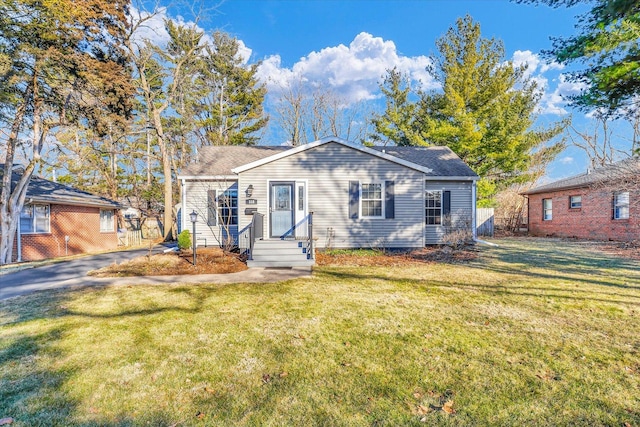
(420, 256)
(208, 261)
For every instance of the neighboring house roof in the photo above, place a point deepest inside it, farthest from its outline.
(42, 190)
(229, 160)
(621, 170)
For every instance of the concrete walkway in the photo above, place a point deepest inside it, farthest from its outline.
(73, 273)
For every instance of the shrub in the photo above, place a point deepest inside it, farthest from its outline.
(184, 240)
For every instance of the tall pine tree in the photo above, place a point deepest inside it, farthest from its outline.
(485, 111)
(230, 110)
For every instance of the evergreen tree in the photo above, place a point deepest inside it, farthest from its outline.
(61, 64)
(400, 121)
(608, 47)
(230, 111)
(484, 112)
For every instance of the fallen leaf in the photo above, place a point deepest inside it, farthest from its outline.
(266, 378)
(448, 407)
(626, 424)
(200, 415)
(6, 421)
(417, 395)
(423, 419)
(347, 344)
(345, 364)
(423, 410)
(284, 374)
(209, 390)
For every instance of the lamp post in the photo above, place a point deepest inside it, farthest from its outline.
(194, 217)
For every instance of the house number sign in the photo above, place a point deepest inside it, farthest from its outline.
(252, 201)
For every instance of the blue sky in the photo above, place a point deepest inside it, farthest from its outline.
(347, 46)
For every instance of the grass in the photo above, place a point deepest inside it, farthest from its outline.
(533, 332)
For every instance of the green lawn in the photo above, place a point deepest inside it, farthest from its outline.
(533, 332)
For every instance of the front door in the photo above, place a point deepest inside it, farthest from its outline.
(281, 209)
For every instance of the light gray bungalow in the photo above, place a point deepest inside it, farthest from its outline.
(278, 203)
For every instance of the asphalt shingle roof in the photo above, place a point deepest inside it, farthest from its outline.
(620, 170)
(220, 160)
(43, 190)
(440, 159)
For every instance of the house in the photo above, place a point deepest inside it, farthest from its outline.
(601, 204)
(58, 220)
(330, 193)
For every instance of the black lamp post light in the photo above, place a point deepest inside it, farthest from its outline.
(194, 217)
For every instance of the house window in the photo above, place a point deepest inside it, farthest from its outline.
(371, 197)
(621, 205)
(575, 202)
(433, 204)
(228, 207)
(106, 220)
(34, 219)
(547, 211)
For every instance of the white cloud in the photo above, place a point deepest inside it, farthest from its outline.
(533, 62)
(152, 29)
(567, 160)
(554, 102)
(353, 71)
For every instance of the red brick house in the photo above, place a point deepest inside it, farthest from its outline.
(58, 220)
(602, 204)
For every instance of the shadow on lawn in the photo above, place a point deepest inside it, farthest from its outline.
(540, 259)
(36, 373)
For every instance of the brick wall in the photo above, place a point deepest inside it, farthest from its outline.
(593, 221)
(80, 223)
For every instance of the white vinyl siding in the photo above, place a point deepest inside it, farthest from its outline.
(106, 221)
(460, 209)
(328, 171)
(202, 196)
(35, 219)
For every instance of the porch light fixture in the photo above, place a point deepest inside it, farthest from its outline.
(194, 217)
(250, 190)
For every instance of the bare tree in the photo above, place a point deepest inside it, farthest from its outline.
(308, 113)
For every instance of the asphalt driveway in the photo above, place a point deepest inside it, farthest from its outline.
(60, 274)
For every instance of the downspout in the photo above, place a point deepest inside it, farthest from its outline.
(424, 212)
(184, 204)
(473, 211)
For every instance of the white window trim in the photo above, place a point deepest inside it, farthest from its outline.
(113, 222)
(544, 210)
(617, 205)
(426, 217)
(382, 199)
(33, 221)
